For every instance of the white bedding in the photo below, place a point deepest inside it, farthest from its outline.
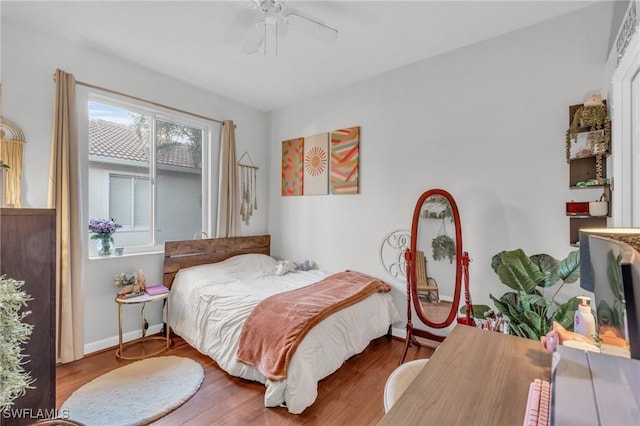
(208, 305)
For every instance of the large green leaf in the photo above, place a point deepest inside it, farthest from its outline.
(478, 310)
(618, 314)
(535, 321)
(496, 261)
(529, 332)
(614, 273)
(518, 272)
(508, 305)
(569, 269)
(531, 313)
(565, 313)
(549, 267)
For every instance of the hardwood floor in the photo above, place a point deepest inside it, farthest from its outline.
(350, 396)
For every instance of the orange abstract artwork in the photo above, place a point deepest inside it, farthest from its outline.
(292, 162)
(345, 150)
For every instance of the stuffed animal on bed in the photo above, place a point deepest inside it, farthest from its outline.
(285, 266)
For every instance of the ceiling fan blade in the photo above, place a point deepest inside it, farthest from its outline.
(255, 38)
(237, 30)
(312, 26)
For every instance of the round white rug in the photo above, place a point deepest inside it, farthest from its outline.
(137, 393)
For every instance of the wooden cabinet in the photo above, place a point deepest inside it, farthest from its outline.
(587, 158)
(27, 253)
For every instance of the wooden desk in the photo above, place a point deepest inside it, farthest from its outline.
(476, 377)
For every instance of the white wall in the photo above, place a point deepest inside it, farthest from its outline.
(486, 122)
(29, 60)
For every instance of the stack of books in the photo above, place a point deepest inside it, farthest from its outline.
(156, 289)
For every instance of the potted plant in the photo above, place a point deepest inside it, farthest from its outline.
(443, 248)
(13, 334)
(103, 231)
(531, 314)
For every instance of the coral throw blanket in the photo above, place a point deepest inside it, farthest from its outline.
(276, 326)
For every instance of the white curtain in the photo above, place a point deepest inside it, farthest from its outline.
(229, 193)
(64, 198)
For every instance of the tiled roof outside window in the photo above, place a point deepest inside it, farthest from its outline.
(120, 141)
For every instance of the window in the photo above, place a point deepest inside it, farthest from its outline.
(146, 172)
(129, 200)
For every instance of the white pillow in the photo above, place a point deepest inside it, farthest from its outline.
(244, 266)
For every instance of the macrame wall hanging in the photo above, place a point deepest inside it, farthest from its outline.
(248, 187)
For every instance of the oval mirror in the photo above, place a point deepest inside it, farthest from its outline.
(434, 265)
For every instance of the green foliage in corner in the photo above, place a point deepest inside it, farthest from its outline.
(13, 334)
(530, 312)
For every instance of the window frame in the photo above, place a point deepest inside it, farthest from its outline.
(108, 173)
(208, 168)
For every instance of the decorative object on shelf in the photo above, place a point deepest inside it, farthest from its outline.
(392, 249)
(593, 182)
(577, 208)
(248, 187)
(103, 231)
(591, 117)
(141, 281)
(15, 332)
(599, 207)
(127, 285)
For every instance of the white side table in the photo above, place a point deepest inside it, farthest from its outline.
(142, 299)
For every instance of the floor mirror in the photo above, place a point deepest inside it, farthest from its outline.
(437, 267)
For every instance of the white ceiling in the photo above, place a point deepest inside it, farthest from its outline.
(199, 41)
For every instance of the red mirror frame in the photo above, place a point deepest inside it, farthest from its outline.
(462, 264)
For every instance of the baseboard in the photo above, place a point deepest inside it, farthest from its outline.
(112, 342)
(400, 333)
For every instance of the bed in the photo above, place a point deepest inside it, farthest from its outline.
(216, 283)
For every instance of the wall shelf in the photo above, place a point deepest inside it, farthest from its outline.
(583, 169)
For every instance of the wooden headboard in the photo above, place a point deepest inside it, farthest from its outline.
(182, 254)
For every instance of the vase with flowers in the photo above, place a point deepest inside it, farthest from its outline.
(103, 231)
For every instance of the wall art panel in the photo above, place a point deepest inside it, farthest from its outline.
(292, 166)
(345, 160)
(316, 165)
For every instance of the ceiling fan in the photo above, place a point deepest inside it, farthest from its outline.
(275, 18)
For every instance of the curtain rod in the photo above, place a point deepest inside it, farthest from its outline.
(93, 86)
